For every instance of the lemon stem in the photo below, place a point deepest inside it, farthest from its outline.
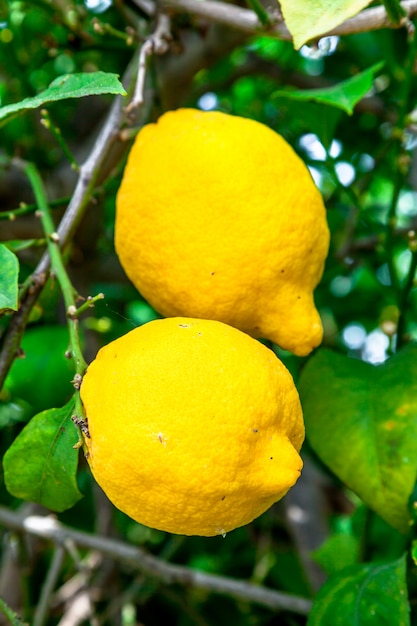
(260, 11)
(395, 11)
(103, 28)
(47, 122)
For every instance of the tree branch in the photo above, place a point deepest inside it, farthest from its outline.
(247, 21)
(157, 43)
(155, 567)
(88, 174)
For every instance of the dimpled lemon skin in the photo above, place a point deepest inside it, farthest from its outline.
(218, 218)
(195, 426)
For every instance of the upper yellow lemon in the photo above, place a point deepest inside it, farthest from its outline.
(195, 426)
(218, 218)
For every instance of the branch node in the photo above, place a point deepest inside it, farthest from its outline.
(72, 312)
(83, 424)
(76, 381)
(157, 43)
(54, 237)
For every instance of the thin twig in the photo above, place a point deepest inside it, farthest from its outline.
(248, 22)
(140, 560)
(24, 209)
(146, 6)
(88, 304)
(76, 593)
(157, 43)
(47, 123)
(230, 15)
(373, 19)
(10, 615)
(42, 609)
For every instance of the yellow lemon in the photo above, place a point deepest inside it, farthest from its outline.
(218, 218)
(195, 427)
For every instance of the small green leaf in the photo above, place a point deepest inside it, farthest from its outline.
(308, 19)
(40, 465)
(339, 551)
(17, 245)
(363, 595)
(344, 95)
(361, 420)
(9, 276)
(67, 86)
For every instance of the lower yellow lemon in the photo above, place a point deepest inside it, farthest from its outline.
(195, 427)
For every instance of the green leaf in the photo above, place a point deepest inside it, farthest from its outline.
(339, 551)
(344, 95)
(9, 276)
(308, 19)
(67, 86)
(361, 420)
(363, 595)
(17, 245)
(40, 465)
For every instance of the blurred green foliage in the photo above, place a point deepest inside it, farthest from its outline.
(42, 375)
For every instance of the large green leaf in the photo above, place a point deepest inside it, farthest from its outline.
(308, 19)
(361, 420)
(9, 275)
(345, 95)
(66, 86)
(40, 466)
(364, 595)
